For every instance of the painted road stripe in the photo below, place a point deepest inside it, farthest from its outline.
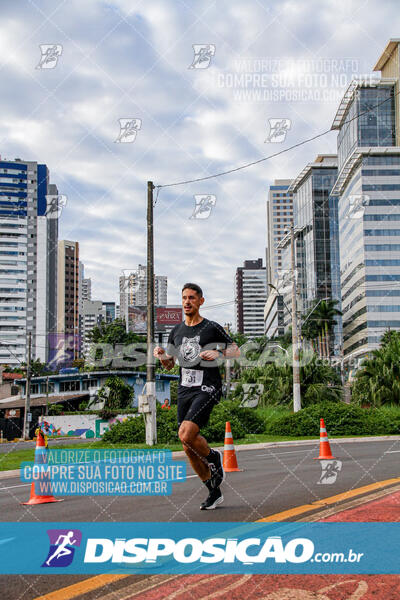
(283, 453)
(299, 510)
(10, 487)
(82, 587)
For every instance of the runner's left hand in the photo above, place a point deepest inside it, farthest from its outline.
(209, 354)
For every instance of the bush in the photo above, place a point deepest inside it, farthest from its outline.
(339, 418)
(243, 421)
(131, 431)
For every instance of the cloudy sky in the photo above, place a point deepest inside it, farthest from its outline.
(128, 59)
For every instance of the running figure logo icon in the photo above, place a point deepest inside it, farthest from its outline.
(203, 54)
(278, 129)
(54, 205)
(128, 129)
(204, 203)
(62, 547)
(50, 55)
(357, 204)
(330, 471)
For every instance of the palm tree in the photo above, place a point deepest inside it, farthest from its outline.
(378, 380)
(320, 324)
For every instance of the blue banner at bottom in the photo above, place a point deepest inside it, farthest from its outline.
(195, 548)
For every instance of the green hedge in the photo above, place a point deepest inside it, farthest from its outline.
(243, 421)
(339, 418)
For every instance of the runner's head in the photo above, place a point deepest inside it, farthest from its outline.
(192, 299)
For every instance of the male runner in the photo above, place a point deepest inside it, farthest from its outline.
(194, 343)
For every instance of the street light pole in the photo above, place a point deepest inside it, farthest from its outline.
(150, 414)
(25, 434)
(295, 335)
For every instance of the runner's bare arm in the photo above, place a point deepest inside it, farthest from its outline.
(167, 361)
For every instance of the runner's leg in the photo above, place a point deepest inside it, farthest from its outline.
(196, 448)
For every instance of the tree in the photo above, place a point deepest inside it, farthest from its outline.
(319, 323)
(318, 381)
(113, 333)
(377, 381)
(116, 394)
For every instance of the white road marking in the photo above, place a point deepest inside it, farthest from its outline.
(15, 486)
(283, 453)
(391, 451)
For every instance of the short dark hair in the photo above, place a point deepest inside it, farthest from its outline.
(193, 286)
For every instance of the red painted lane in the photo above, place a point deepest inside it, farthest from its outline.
(386, 509)
(292, 587)
(275, 587)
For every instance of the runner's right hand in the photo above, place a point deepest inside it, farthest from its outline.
(158, 352)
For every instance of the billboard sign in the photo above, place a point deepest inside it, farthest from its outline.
(165, 318)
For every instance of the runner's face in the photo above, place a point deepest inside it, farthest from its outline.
(191, 302)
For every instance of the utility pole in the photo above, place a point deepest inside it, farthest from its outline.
(295, 334)
(147, 403)
(47, 395)
(28, 390)
(227, 367)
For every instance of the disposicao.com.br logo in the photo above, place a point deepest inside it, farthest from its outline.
(247, 551)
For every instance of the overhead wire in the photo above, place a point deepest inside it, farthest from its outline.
(260, 160)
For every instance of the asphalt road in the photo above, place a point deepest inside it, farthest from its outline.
(272, 480)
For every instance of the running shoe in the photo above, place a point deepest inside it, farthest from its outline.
(215, 498)
(216, 469)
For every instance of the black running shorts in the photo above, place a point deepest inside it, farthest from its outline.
(197, 406)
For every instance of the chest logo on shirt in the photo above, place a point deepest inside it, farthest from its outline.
(190, 348)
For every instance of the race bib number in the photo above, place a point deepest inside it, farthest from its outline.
(191, 377)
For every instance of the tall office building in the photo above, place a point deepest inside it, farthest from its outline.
(85, 286)
(251, 294)
(315, 221)
(93, 314)
(28, 259)
(368, 187)
(279, 217)
(68, 294)
(315, 224)
(133, 289)
(110, 311)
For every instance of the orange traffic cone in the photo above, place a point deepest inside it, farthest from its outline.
(41, 458)
(324, 445)
(229, 462)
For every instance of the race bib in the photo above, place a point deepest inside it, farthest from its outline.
(191, 377)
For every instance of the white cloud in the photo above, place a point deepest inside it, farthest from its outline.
(124, 60)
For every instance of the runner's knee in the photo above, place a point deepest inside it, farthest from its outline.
(186, 435)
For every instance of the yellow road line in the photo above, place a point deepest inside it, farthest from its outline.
(82, 587)
(299, 510)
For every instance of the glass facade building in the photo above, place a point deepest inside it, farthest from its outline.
(368, 191)
(317, 241)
